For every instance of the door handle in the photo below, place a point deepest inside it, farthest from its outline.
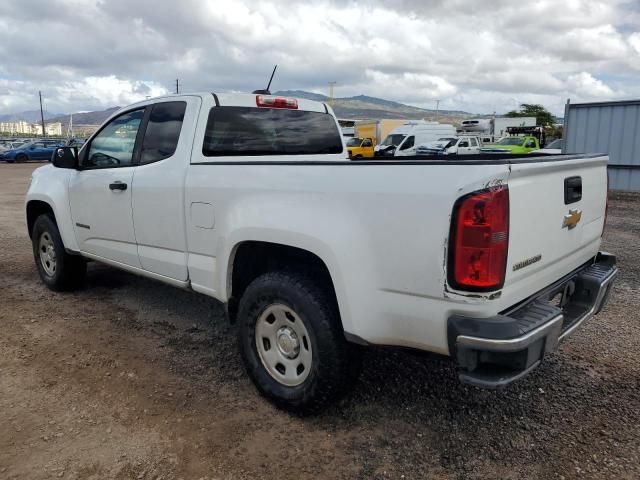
(118, 185)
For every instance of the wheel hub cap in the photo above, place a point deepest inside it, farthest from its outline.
(47, 254)
(283, 345)
(288, 342)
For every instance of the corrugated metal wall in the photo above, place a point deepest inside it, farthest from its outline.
(607, 127)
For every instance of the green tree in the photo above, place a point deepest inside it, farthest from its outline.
(543, 116)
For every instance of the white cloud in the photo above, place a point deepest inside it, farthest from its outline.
(468, 55)
(586, 86)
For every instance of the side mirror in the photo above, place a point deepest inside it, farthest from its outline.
(65, 157)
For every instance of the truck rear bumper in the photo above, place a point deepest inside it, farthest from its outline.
(493, 352)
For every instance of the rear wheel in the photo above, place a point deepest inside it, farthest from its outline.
(292, 343)
(57, 269)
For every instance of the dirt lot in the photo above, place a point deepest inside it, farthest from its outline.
(129, 378)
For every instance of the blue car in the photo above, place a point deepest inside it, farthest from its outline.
(36, 150)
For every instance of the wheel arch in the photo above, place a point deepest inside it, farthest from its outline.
(250, 258)
(49, 192)
(34, 209)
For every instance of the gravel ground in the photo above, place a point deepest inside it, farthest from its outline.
(129, 378)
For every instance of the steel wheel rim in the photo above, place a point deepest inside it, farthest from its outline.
(283, 345)
(47, 253)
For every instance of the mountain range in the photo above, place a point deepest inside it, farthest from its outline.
(356, 107)
(30, 116)
(365, 107)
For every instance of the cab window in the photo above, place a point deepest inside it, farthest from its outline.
(269, 131)
(113, 146)
(163, 131)
(367, 143)
(408, 143)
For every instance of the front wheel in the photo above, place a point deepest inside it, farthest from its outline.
(292, 343)
(58, 270)
(21, 157)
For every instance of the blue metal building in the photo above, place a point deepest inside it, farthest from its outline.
(607, 127)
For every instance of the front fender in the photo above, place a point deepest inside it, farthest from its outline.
(51, 186)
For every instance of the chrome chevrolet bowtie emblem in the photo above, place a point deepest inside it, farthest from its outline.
(572, 218)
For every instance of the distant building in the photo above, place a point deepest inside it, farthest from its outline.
(21, 127)
(53, 129)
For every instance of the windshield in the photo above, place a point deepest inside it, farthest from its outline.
(354, 142)
(555, 144)
(447, 141)
(511, 141)
(394, 139)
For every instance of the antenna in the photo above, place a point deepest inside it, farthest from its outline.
(266, 91)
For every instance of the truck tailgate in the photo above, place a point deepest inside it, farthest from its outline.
(557, 211)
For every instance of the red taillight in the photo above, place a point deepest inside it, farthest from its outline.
(479, 240)
(276, 102)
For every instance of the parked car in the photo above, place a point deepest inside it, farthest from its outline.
(463, 145)
(34, 150)
(360, 148)
(515, 145)
(9, 145)
(553, 148)
(250, 199)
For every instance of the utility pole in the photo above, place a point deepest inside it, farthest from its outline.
(437, 108)
(331, 85)
(177, 86)
(44, 132)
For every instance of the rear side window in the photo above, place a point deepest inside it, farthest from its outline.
(163, 131)
(269, 131)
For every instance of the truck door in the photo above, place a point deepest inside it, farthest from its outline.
(158, 187)
(367, 148)
(530, 144)
(464, 146)
(474, 148)
(407, 147)
(100, 193)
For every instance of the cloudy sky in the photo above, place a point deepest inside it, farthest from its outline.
(475, 56)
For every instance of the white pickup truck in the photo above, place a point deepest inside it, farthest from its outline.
(251, 199)
(461, 145)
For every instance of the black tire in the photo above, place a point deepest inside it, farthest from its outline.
(21, 157)
(69, 271)
(334, 362)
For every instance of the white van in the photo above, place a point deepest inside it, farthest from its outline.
(421, 134)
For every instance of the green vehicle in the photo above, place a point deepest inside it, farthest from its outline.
(513, 145)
